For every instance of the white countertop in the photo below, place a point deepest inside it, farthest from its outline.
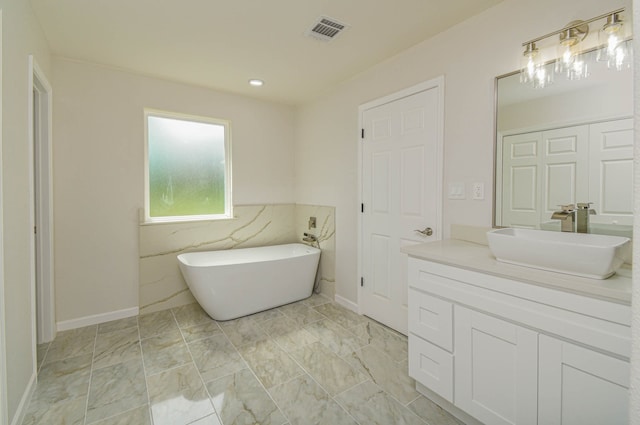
(477, 257)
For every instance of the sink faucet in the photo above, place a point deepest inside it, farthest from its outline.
(582, 217)
(566, 216)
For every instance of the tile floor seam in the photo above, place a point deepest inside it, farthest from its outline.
(144, 372)
(204, 384)
(93, 352)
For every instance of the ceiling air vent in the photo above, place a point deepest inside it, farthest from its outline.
(326, 29)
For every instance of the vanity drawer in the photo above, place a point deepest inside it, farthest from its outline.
(431, 318)
(431, 366)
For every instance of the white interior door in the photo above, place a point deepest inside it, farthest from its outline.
(401, 193)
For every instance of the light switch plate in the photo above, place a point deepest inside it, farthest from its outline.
(456, 191)
(477, 191)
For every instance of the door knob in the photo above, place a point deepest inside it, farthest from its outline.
(428, 231)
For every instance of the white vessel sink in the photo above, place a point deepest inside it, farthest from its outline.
(580, 254)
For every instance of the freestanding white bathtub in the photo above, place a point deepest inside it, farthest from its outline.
(237, 282)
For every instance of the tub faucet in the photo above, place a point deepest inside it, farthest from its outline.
(582, 216)
(566, 215)
(308, 237)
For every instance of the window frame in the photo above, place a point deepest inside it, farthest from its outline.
(228, 203)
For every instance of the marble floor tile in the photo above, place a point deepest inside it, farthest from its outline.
(116, 347)
(164, 351)
(191, 315)
(273, 313)
(287, 333)
(138, 416)
(243, 332)
(72, 343)
(342, 316)
(369, 404)
(208, 420)
(116, 389)
(271, 364)
(301, 313)
(157, 323)
(178, 396)
(67, 412)
(216, 357)
(315, 300)
(304, 402)
(239, 399)
(335, 337)
(201, 331)
(118, 325)
(381, 369)
(64, 379)
(393, 344)
(431, 412)
(286, 365)
(333, 373)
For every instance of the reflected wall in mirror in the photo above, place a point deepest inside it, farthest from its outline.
(567, 143)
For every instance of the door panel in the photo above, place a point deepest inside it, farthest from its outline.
(401, 177)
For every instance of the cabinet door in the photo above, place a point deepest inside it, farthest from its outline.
(581, 387)
(495, 369)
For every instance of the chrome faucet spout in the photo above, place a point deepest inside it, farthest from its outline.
(566, 216)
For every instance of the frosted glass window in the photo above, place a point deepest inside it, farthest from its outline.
(188, 165)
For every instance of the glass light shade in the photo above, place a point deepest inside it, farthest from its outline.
(570, 61)
(614, 49)
(533, 70)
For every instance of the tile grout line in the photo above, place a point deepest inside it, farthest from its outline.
(86, 406)
(144, 371)
(195, 366)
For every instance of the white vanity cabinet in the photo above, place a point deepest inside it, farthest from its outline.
(508, 352)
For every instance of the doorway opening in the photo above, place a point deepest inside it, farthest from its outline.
(42, 208)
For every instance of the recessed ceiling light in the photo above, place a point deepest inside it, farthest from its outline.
(255, 82)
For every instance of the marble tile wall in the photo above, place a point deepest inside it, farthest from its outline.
(161, 285)
(325, 231)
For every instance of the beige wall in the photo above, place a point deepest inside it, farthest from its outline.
(21, 36)
(98, 173)
(469, 56)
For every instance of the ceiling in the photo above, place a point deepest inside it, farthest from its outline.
(221, 44)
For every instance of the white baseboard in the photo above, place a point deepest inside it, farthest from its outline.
(347, 303)
(97, 319)
(21, 411)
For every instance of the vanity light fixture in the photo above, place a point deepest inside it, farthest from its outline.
(570, 55)
(256, 83)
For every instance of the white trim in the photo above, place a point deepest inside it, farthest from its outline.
(44, 294)
(96, 319)
(4, 408)
(21, 411)
(438, 83)
(346, 303)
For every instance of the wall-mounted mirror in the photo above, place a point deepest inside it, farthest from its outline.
(569, 142)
